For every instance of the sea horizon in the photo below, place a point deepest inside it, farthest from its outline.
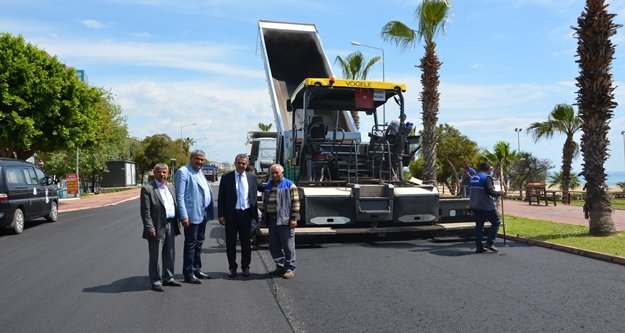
(613, 178)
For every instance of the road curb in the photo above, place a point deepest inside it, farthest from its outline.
(568, 249)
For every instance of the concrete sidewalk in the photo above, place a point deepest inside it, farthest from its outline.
(98, 200)
(561, 213)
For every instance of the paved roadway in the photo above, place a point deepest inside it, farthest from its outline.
(88, 273)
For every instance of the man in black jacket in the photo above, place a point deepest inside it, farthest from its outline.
(237, 208)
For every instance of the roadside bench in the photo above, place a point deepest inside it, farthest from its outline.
(535, 192)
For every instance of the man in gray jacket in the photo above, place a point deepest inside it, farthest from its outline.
(160, 227)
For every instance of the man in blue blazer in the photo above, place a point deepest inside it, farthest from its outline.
(160, 227)
(195, 207)
(236, 209)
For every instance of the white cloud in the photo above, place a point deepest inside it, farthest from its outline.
(197, 56)
(93, 24)
(223, 114)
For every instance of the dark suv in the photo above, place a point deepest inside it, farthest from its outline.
(25, 193)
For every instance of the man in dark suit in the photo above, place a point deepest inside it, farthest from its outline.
(160, 227)
(236, 209)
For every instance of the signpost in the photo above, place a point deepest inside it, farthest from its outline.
(72, 183)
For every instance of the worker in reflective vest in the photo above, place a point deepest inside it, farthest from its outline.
(483, 198)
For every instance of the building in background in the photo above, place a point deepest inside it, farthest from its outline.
(120, 174)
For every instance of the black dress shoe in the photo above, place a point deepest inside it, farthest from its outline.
(202, 275)
(491, 247)
(192, 279)
(173, 283)
(246, 272)
(157, 287)
(232, 273)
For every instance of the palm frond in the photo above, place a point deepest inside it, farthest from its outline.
(432, 16)
(365, 71)
(400, 34)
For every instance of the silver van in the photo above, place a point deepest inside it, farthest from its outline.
(26, 193)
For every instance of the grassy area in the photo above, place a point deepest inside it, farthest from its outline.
(616, 203)
(104, 190)
(565, 234)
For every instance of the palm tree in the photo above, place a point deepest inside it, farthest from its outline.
(432, 16)
(562, 119)
(557, 179)
(504, 157)
(595, 99)
(353, 68)
(352, 65)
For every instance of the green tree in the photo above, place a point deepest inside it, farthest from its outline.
(108, 145)
(131, 146)
(60, 163)
(432, 16)
(355, 67)
(527, 168)
(416, 167)
(44, 106)
(93, 166)
(595, 99)
(159, 148)
(564, 120)
(453, 149)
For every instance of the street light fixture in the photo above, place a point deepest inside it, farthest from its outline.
(198, 140)
(181, 127)
(355, 43)
(518, 140)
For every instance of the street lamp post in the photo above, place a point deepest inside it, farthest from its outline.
(518, 140)
(623, 134)
(355, 43)
(181, 127)
(173, 167)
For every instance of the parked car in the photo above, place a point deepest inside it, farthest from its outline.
(26, 193)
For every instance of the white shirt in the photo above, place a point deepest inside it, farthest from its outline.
(168, 200)
(242, 190)
(201, 180)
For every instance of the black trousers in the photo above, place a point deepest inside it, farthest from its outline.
(241, 225)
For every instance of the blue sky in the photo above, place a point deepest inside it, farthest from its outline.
(506, 63)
